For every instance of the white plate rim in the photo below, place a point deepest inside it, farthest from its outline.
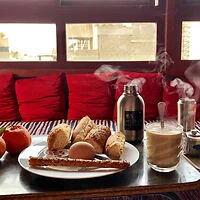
(34, 151)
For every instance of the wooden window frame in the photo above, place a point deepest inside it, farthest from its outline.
(105, 3)
(50, 11)
(177, 12)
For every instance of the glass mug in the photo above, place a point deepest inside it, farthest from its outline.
(164, 146)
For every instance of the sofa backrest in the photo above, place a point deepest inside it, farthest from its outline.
(73, 96)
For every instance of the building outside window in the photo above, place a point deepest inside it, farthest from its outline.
(111, 41)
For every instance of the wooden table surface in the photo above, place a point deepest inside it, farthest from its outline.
(17, 183)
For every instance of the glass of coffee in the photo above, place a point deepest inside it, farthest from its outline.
(164, 146)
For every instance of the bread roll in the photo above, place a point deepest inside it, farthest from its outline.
(82, 129)
(97, 137)
(59, 136)
(115, 145)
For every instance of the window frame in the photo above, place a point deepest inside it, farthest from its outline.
(182, 12)
(105, 3)
(49, 11)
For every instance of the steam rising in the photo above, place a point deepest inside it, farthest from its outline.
(183, 89)
(163, 60)
(137, 81)
(193, 75)
(106, 69)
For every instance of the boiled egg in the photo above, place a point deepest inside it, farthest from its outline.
(82, 150)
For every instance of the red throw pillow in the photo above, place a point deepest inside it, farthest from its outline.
(149, 86)
(41, 98)
(8, 103)
(91, 95)
(198, 112)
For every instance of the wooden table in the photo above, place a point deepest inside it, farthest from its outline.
(17, 183)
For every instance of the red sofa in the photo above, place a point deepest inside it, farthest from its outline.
(72, 96)
(40, 103)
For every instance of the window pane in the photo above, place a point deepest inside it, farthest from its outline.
(111, 42)
(190, 41)
(27, 42)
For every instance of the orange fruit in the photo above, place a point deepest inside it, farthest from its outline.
(2, 147)
(17, 138)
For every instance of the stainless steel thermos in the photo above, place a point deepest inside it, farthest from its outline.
(187, 113)
(130, 114)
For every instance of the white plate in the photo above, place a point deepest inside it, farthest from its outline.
(131, 154)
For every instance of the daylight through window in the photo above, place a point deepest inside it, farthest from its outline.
(27, 42)
(111, 42)
(190, 40)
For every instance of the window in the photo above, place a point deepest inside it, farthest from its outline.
(189, 18)
(111, 41)
(27, 42)
(190, 40)
(135, 32)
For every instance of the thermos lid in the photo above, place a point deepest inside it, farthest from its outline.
(130, 88)
(187, 101)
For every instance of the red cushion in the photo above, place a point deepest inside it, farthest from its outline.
(150, 88)
(198, 112)
(8, 103)
(91, 95)
(41, 98)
